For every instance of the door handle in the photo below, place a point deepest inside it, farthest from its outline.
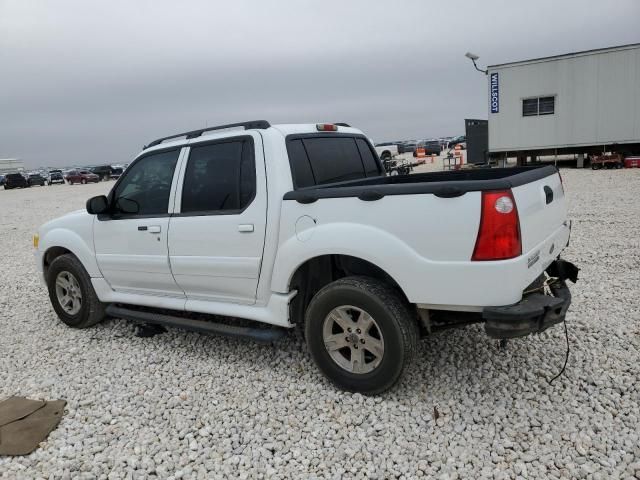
(154, 229)
(246, 228)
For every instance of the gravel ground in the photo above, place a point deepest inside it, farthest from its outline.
(183, 405)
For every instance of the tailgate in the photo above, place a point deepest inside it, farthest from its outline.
(541, 208)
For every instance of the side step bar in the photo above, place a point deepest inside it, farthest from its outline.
(260, 335)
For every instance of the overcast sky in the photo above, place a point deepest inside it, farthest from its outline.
(88, 82)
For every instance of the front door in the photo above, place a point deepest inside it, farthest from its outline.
(216, 235)
(131, 242)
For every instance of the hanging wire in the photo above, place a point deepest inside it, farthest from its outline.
(566, 358)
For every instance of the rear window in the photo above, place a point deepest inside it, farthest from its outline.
(319, 160)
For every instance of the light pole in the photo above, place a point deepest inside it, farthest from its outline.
(473, 57)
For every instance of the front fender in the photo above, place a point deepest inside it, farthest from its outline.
(76, 244)
(366, 242)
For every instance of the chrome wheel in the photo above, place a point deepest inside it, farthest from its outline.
(353, 339)
(68, 292)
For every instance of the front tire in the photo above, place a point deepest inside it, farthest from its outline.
(71, 293)
(361, 334)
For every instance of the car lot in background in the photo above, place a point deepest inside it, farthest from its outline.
(81, 176)
(15, 180)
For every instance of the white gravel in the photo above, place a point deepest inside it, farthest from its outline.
(183, 405)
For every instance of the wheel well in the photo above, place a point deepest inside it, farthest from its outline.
(50, 255)
(314, 274)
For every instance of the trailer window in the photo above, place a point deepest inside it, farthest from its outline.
(546, 105)
(538, 106)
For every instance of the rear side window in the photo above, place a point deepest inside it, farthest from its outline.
(319, 160)
(368, 160)
(300, 166)
(219, 177)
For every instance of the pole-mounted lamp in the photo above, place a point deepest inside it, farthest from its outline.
(473, 57)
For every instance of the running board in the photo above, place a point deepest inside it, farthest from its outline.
(260, 335)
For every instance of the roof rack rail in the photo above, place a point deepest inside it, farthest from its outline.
(342, 124)
(257, 124)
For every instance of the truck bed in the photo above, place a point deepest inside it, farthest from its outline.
(422, 230)
(442, 184)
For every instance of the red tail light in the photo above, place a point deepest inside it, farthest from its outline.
(499, 232)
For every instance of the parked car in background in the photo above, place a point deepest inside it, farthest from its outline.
(106, 172)
(387, 150)
(1, 180)
(116, 172)
(407, 147)
(15, 180)
(456, 140)
(431, 147)
(36, 179)
(55, 176)
(81, 176)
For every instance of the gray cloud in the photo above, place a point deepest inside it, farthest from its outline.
(90, 82)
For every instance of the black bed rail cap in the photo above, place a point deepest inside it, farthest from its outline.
(252, 124)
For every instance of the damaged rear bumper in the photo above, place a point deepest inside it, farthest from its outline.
(536, 311)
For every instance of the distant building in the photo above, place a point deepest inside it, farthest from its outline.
(577, 103)
(10, 165)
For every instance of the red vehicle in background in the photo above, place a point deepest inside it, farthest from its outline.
(81, 176)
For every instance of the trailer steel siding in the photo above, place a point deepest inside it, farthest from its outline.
(597, 100)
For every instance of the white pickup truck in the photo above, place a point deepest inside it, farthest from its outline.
(386, 151)
(296, 225)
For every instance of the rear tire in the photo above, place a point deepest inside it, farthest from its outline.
(371, 357)
(72, 294)
(83, 181)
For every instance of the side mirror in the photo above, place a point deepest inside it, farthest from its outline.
(97, 205)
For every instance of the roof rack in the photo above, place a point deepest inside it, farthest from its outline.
(253, 124)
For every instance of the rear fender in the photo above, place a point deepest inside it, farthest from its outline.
(368, 243)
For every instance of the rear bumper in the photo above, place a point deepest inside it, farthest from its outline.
(536, 311)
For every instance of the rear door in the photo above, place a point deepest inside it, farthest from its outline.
(216, 235)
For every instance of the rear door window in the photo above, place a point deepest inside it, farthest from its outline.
(319, 160)
(220, 177)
